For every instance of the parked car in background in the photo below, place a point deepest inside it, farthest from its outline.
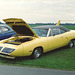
(5, 31)
(34, 41)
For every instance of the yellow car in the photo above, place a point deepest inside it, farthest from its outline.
(34, 41)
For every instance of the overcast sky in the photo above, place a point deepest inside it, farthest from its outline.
(38, 11)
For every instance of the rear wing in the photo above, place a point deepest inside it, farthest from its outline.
(58, 23)
(63, 20)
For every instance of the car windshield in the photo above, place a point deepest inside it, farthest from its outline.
(41, 32)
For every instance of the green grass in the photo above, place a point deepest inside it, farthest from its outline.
(62, 58)
(70, 26)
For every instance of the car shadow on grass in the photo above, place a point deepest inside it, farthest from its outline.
(47, 53)
(56, 50)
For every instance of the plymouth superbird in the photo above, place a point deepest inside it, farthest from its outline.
(34, 41)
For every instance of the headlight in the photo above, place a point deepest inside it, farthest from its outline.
(8, 50)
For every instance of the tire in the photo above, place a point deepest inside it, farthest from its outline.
(71, 44)
(37, 53)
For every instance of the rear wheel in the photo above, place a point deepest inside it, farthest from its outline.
(71, 44)
(37, 53)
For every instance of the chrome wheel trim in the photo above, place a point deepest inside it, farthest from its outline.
(37, 53)
(71, 44)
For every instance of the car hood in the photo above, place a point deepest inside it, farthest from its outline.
(20, 27)
(3, 45)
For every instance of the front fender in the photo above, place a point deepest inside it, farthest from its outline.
(18, 52)
(31, 45)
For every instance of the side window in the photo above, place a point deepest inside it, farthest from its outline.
(62, 31)
(4, 29)
(55, 31)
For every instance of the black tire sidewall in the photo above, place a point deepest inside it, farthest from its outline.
(33, 54)
(71, 42)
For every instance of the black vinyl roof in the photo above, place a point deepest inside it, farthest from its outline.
(50, 26)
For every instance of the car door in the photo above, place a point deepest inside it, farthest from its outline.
(56, 39)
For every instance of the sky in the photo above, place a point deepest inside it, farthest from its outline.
(38, 11)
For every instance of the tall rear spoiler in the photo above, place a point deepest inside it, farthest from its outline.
(58, 23)
(63, 20)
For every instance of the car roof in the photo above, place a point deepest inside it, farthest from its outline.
(47, 26)
(50, 26)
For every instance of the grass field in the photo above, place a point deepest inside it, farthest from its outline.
(62, 58)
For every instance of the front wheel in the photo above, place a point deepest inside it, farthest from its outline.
(71, 44)
(37, 53)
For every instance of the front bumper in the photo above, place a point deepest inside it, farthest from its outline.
(6, 56)
(5, 52)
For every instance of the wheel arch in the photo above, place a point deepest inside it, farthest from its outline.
(71, 43)
(39, 47)
(72, 39)
(32, 56)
